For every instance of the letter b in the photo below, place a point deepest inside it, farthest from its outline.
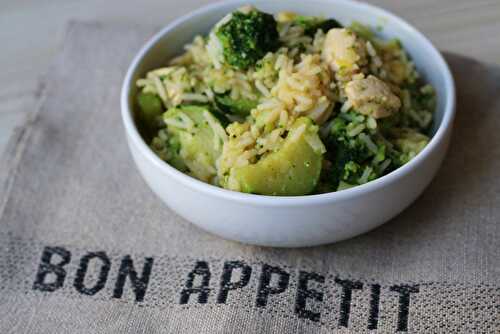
(47, 268)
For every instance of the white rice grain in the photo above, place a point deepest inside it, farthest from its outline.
(190, 97)
(295, 135)
(262, 88)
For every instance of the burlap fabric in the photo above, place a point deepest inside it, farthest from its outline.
(86, 247)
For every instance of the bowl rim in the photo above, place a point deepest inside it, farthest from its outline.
(267, 200)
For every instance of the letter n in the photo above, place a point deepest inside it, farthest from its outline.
(139, 283)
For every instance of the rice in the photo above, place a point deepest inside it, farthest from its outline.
(218, 130)
(262, 89)
(315, 144)
(384, 165)
(369, 143)
(303, 77)
(366, 174)
(191, 97)
(160, 89)
(356, 130)
(301, 86)
(295, 135)
(301, 89)
(176, 123)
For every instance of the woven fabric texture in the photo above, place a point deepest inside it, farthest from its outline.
(86, 247)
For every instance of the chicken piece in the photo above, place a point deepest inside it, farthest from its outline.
(344, 52)
(372, 96)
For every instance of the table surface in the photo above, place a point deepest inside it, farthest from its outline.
(31, 32)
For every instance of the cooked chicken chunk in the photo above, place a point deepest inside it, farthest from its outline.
(371, 96)
(344, 52)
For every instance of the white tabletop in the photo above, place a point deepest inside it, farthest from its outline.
(31, 31)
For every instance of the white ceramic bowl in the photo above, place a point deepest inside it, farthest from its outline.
(301, 220)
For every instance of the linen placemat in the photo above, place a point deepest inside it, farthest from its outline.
(86, 247)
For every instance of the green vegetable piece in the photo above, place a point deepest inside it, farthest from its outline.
(292, 170)
(195, 140)
(409, 142)
(240, 107)
(167, 148)
(312, 24)
(351, 155)
(151, 109)
(247, 37)
(362, 31)
(344, 185)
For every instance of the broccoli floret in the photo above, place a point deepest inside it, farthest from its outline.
(240, 107)
(312, 24)
(357, 154)
(247, 37)
(344, 152)
(347, 159)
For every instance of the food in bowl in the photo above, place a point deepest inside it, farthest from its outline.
(286, 105)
